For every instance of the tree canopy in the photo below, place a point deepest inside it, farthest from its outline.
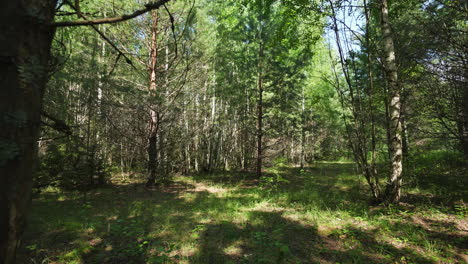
(99, 92)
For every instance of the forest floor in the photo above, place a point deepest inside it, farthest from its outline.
(317, 215)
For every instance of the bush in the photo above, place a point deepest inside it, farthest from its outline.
(440, 172)
(69, 166)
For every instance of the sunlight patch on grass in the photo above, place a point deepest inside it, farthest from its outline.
(186, 250)
(322, 214)
(235, 249)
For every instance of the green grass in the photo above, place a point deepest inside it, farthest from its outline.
(317, 215)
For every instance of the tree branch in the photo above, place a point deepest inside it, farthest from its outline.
(110, 20)
(58, 125)
(127, 59)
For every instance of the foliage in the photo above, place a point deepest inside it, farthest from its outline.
(274, 179)
(70, 169)
(439, 172)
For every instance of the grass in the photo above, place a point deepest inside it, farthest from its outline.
(317, 215)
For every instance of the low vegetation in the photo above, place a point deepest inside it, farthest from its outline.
(320, 214)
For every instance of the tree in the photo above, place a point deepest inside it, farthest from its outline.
(270, 47)
(357, 97)
(435, 67)
(154, 113)
(393, 190)
(27, 30)
(25, 52)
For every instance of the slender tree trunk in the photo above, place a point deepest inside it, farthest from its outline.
(260, 113)
(154, 120)
(186, 147)
(153, 149)
(356, 133)
(387, 120)
(245, 138)
(393, 191)
(122, 162)
(302, 155)
(89, 148)
(101, 152)
(196, 139)
(404, 133)
(372, 169)
(25, 40)
(464, 119)
(461, 85)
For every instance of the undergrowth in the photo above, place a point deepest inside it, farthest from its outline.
(319, 214)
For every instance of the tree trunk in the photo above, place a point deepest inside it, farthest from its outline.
(260, 114)
(153, 149)
(154, 121)
(25, 41)
(356, 130)
(371, 169)
(303, 127)
(392, 193)
(101, 152)
(464, 119)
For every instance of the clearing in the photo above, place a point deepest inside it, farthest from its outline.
(317, 215)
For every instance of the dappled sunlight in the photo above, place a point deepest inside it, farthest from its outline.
(198, 221)
(202, 187)
(235, 249)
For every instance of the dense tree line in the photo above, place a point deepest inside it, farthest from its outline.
(201, 86)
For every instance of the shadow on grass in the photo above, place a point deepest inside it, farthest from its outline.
(227, 177)
(266, 238)
(273, 238)
(177, 223)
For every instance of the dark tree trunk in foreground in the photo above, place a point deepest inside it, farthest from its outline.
(392, 193)
(25, 40)
(26, 33)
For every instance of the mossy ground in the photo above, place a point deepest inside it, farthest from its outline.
(317, 215)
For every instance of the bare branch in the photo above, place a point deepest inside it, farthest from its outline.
(76, 8)
(110, 20)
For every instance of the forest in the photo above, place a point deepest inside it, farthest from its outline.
(233, 131)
